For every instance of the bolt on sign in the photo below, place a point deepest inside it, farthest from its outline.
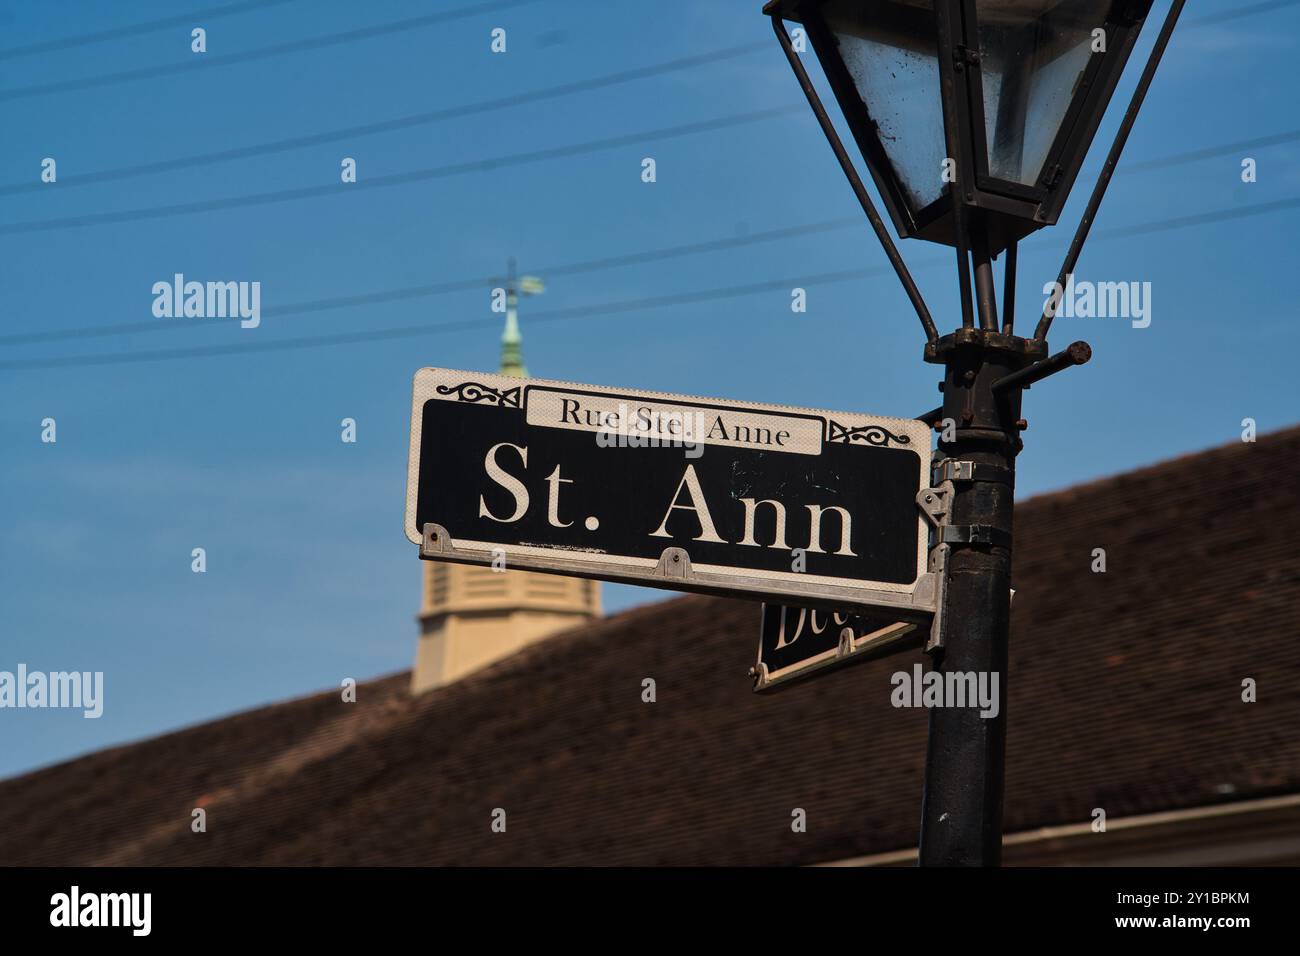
(671, 491)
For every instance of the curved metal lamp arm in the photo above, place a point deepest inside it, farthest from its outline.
(1107, 171)
(882, 233)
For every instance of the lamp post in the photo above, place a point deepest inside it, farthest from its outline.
(973, 118)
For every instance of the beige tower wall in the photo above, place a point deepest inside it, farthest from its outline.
(472, 617)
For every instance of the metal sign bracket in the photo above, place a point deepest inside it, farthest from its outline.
(939, 569)
(984, 534)
(949, 469)
(674, 564)
(435, 539)
(936, 504)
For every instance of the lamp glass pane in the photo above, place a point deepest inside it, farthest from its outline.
(1032, 55)
(891, 52)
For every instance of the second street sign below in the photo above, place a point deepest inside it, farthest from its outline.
(671, 491)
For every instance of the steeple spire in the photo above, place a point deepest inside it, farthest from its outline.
(512, 359)
(472, 616)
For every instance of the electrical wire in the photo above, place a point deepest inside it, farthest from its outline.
(384, 126)
(116, 33)
(209, 61)
(591, 311)
(395, 179)
(583, 266)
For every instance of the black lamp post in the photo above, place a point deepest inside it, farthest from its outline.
(974, 117)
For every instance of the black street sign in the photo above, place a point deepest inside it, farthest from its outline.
(673, 491)
(796, 642)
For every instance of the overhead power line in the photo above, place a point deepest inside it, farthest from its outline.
(397, 123)
(1200, 219)
(1209, 152)
(208, 61)
(213, 13)
(435, 116)
(333, 39)
(516, 159)
(591, 311)
(449, 112)
(405, 331)
(117, 33)
(455, 285)
(573, 268)
(396, 179)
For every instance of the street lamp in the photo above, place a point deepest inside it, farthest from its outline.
(1012, 91)
(974, 118)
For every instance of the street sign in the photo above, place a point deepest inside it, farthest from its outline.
(796, 642)
(673, 491)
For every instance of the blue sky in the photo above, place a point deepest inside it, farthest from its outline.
(310, 579)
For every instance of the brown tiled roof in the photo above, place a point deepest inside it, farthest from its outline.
(1124, 694)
